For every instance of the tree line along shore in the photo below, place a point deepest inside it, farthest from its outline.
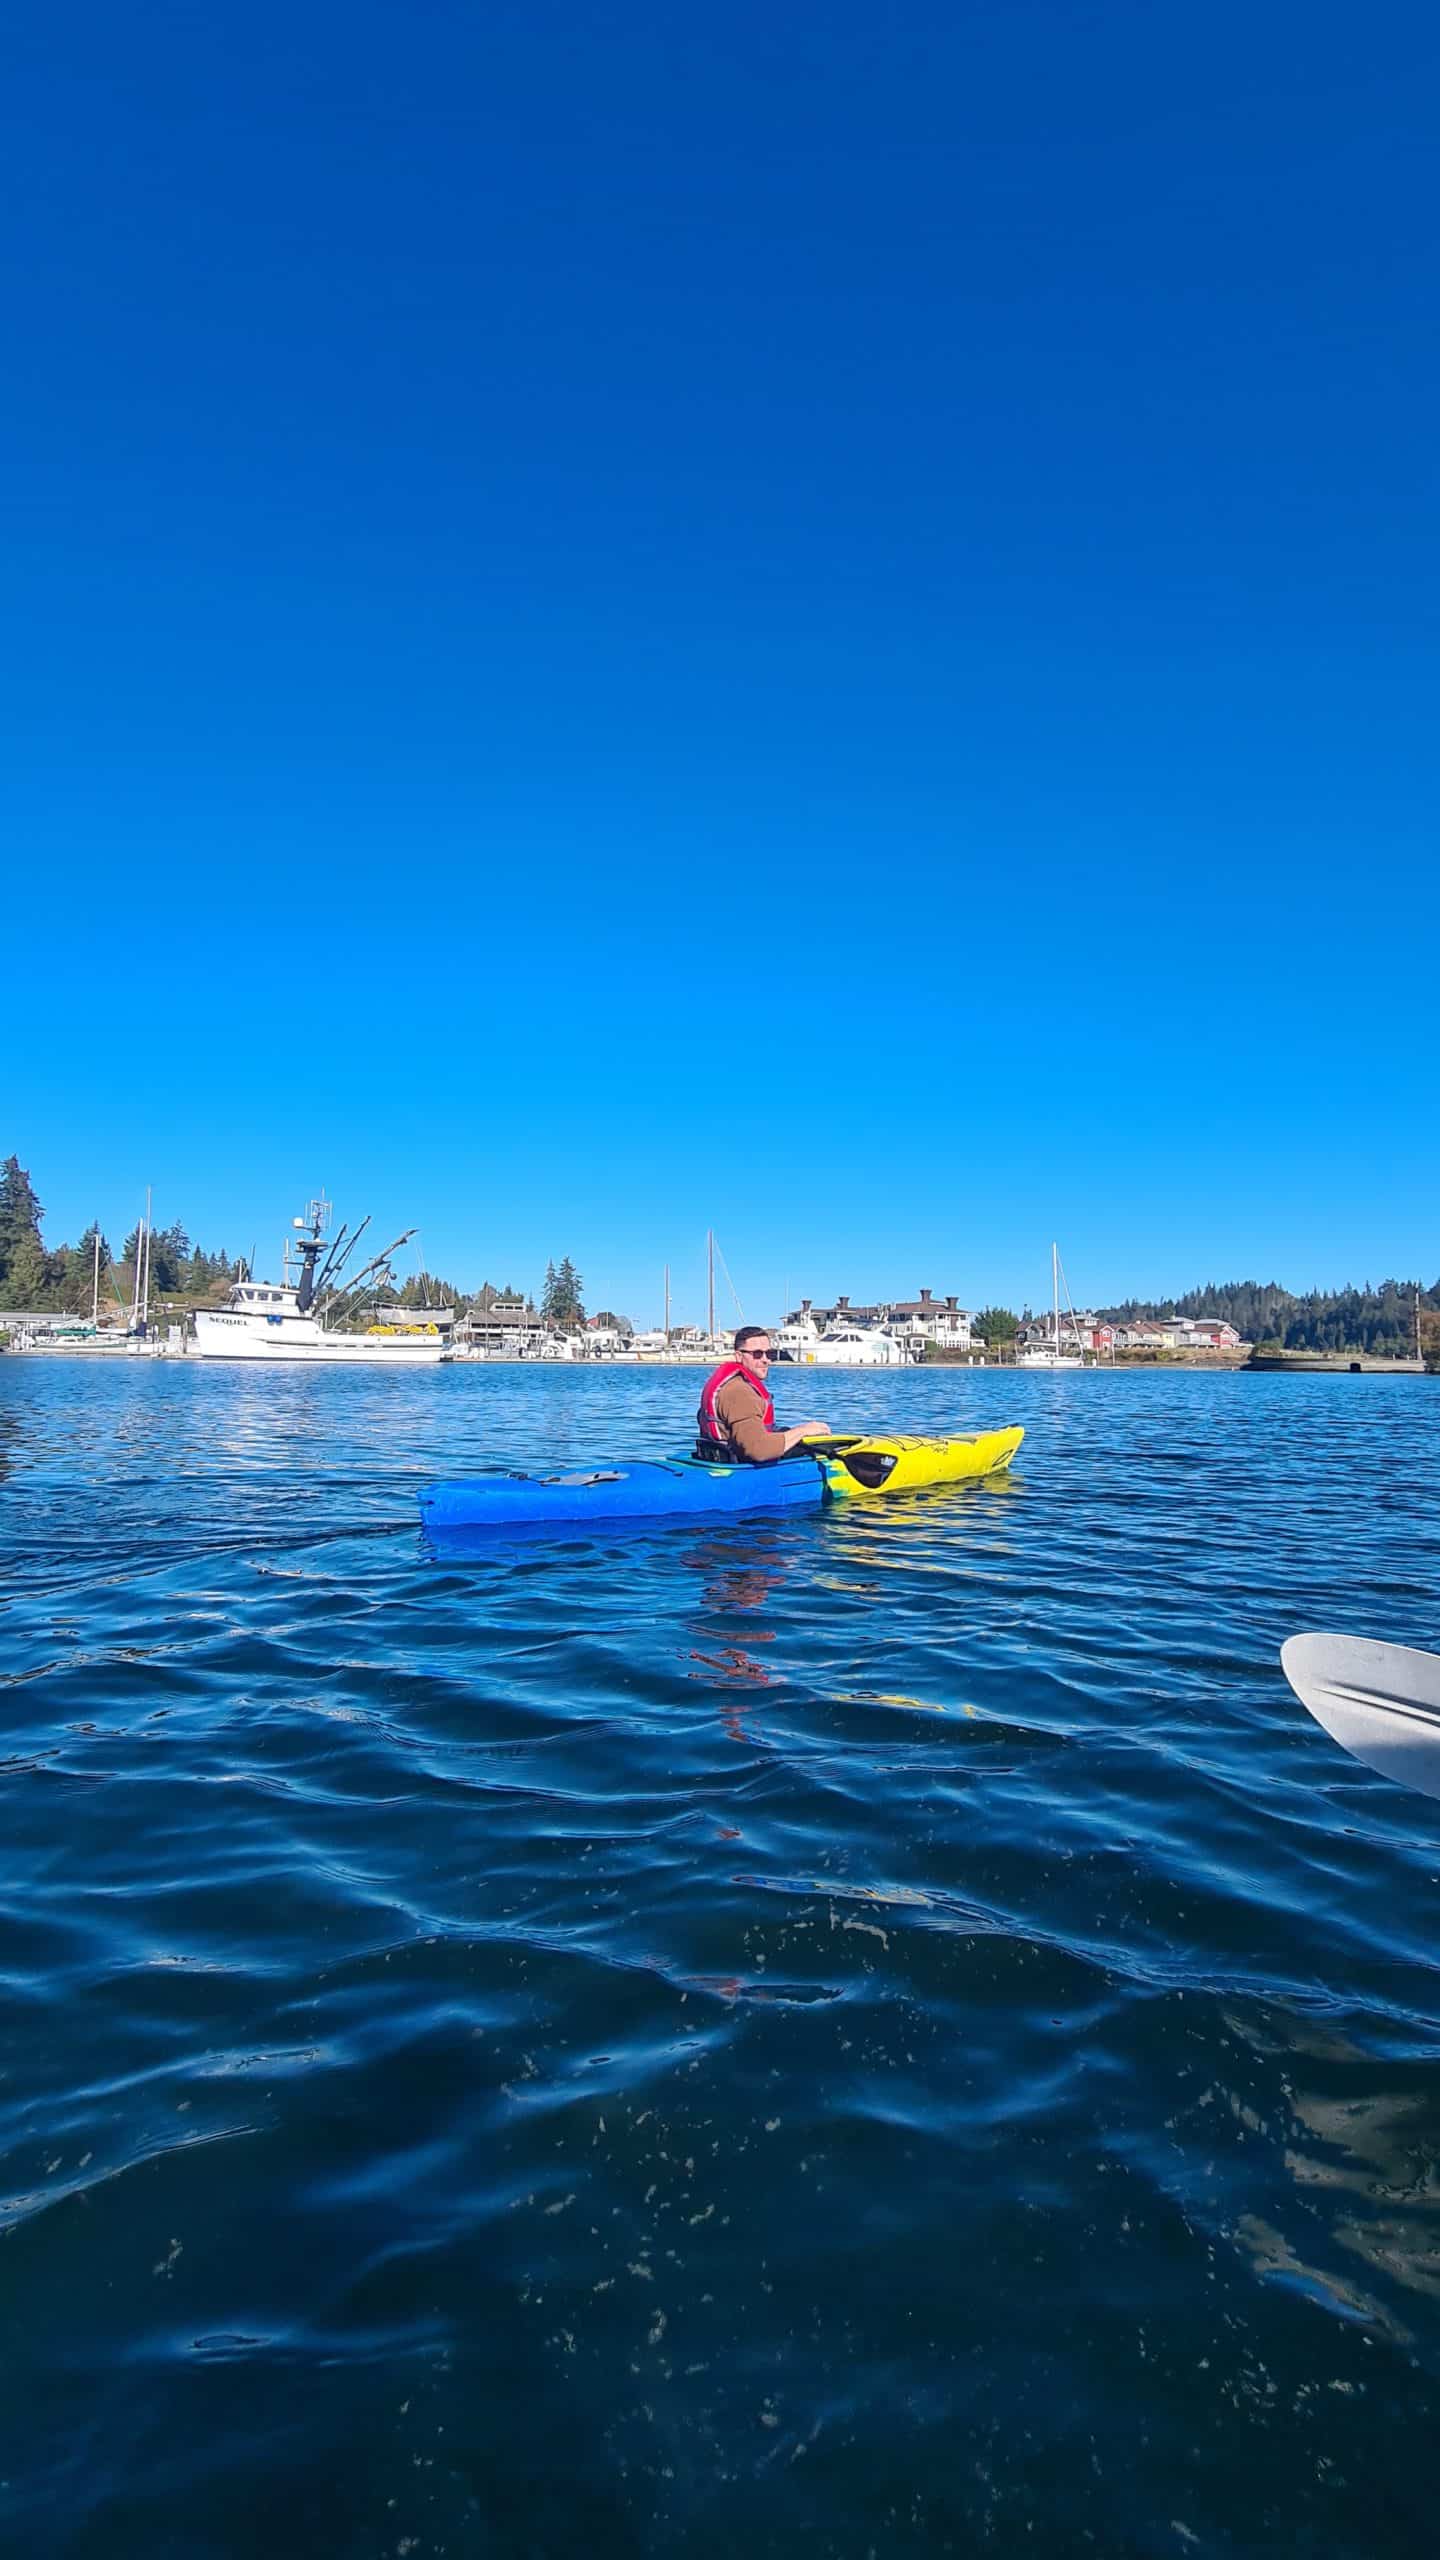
(1379, 1320)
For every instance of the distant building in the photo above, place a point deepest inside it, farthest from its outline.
(1199, 1333)
(1178, 1333)
(841, 1313)
(506, 1324)
(913, 1321)
(926, 1319)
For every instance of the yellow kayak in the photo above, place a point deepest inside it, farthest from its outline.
(883, 1463)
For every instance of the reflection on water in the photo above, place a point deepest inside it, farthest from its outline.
(732, 1586)
(886, 2031)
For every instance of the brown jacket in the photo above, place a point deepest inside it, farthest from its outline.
(739, 1409)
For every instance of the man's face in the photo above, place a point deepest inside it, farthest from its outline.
(756, 1357)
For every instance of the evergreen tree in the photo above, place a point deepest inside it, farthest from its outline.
(561, 1304)
(20, 1216)
(169, 1258)
(24, 1282)
(73, 1284)
(426, 1289)
(996, 1324)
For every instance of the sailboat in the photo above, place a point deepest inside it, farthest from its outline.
(1049, 1355)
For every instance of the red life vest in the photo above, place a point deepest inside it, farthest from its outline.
(710, 1430)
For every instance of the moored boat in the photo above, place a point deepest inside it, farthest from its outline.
(285, 1320)
(1050, 1355)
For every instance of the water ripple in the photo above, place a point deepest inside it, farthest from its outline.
(884, 2031)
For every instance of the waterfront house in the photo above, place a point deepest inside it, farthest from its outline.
(916, 1321)
(841, 1313)
(505, 1326)
(1200, 1333)
(912, 1321)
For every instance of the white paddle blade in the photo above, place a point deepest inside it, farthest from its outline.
(1380, 1702)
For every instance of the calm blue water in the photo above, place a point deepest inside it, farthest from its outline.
(883, 2033)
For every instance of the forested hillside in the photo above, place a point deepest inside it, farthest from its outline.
(1378, 1318)
(62, 1280)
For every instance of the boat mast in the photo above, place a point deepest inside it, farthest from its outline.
(145, 1309)
(1055, 1276)
(140, 1283)
(309, 1248)
(667, 1306)
(710, 1242)
(95, 1295)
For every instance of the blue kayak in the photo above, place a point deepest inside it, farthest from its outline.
(630, 1489)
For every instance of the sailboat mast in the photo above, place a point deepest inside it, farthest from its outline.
(710, 1241)
(667, 1306)
(1055, 1276)
(95, 1295)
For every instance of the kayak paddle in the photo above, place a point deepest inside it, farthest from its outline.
(1380, 1702)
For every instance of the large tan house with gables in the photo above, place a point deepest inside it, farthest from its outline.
(913, 1321)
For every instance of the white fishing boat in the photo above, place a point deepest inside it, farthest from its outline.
(286, 1319)
(1049, 1355)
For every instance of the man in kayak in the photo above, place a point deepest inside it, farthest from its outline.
(736, 1419)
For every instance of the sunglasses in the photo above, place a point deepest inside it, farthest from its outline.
(750, 1353)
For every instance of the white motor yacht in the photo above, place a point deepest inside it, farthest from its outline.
(856, 1346)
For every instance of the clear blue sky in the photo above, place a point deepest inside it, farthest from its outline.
(817, 622)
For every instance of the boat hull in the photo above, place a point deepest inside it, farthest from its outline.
(623, 1490)
(890, 1463)
(629, 1490)
(224, 1337)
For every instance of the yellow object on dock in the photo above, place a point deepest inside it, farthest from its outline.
(883, 1463)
